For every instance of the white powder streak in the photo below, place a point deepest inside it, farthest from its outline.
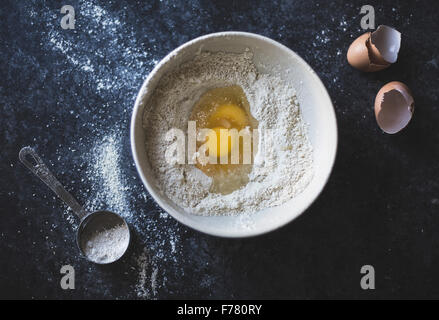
(141, 288)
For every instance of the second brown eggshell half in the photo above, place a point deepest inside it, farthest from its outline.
(394, 107)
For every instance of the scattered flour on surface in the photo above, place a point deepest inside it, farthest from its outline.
(106, 166)
(147, 283)
(142, 289)
(107, 182)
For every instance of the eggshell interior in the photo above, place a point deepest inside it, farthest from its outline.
(388, 42)
(394, 112)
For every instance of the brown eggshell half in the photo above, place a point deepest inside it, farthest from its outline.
(358, 54)
(369, 51)
(361, 56)
(394, 107)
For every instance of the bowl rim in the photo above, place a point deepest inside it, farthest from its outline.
(177, 215)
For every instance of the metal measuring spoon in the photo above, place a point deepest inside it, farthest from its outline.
(103, 236)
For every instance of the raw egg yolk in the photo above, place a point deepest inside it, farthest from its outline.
(223, 146)
(229, 116)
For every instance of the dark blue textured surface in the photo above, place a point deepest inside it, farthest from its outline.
(66, 92)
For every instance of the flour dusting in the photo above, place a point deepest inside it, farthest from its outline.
(108, 176)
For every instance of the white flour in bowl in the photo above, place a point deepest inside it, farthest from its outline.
(278, 174)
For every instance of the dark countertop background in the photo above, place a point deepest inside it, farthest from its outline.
(66, 91)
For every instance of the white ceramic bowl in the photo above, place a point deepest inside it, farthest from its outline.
(317, 110)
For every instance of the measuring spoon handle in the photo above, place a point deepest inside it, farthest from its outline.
(42, 172)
